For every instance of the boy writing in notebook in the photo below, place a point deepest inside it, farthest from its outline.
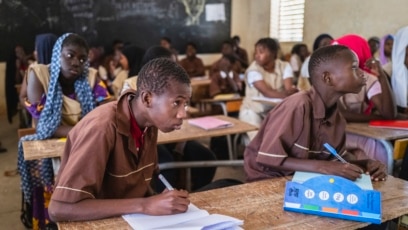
(110, 156)
(292, 135)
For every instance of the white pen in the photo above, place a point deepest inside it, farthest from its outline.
(165, 182)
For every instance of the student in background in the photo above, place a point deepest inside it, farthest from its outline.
(181, 151)
(292, 136)
(321, 41)
(226, 81)
(386, 49)
(240, 54)
(298, 55)
(226, 49)
(374, 101)
(267, 76)
(193, 65)
(58, 96)
(166, 43)
(118, 180)
(374, 43)
(399, 79)
(114, 71)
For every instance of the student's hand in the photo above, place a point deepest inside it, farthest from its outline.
(166, 203)
(374, 66)
(376, 170)
(346, 170)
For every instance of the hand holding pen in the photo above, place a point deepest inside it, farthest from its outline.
(346, 170)
(170, 201)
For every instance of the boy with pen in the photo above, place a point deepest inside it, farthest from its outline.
(293, 134)
(111, 155)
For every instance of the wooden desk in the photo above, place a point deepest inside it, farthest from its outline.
(384, 136)
(54, 148)
(377, 133)
(260, 205)
(221, 102)
(197, 81)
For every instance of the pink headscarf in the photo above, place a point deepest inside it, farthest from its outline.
(359, 45)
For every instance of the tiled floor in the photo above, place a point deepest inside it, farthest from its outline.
(10, 194)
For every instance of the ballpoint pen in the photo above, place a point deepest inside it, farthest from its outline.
(165, 182)
(334, 152)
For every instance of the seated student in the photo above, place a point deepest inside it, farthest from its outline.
(374, 43)
(385, 50)
(191, 63)
(240, 54)
(123, 164)
(298, 55)
(184, 151)
(114, 71)
(267, 76)
(166, 43)
(226, 81)
(320, 41)
(292, 135)
(374, 101)
(226, 49)
(58, 96)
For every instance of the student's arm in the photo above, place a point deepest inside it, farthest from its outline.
(23, 92)
(166, 203)
(384, 102)
(35, 91)
(356, 117)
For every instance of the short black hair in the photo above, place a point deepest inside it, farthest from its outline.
(192, 44)
(155, 52)
(156, 75)
(271, 44)
(296, 48)
(228, 42)
(322, 56)
(75, 39)
(167, 39)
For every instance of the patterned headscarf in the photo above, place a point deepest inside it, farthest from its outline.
(399, 79)
(383, 58)
(50, 120)
(360, 47)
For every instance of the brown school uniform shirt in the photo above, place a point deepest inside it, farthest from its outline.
(194, 67)
(297, 127)
(101, 160)
(236, 67)
(220, 85)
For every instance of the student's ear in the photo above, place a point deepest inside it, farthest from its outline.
(146, 98)
(327, 78)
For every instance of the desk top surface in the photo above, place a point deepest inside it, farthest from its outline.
(55, 147)
(260, 205)
(197, 81)
(377, 133)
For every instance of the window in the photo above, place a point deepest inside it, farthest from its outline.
(287, 20)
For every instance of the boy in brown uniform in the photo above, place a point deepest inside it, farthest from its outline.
(291, 137)
(110, 155)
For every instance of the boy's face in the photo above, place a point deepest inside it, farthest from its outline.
(190, 51)
(170, 108)
(347, 77)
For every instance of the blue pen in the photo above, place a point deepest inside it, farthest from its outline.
(334, 152)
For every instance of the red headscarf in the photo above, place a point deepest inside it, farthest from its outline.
(359, 45)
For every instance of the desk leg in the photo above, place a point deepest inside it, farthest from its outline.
(390, 152)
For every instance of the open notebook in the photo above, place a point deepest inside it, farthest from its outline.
(209, 123)
(193, 219)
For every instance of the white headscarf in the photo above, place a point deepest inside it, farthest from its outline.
(399, 79)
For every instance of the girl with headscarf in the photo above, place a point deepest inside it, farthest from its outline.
(374, 101)
(385, 50)
(399, 79)
(59, 95)
(321, 41)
